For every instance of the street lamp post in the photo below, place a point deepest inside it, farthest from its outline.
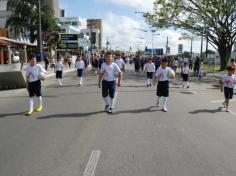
(153, 31)
(108, 43)
(39, 32)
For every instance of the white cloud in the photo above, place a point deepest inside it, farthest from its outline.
(122, 30)
(144, 5)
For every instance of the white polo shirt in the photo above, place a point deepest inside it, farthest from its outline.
(110, 72)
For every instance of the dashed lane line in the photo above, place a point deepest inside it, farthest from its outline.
(92, 163)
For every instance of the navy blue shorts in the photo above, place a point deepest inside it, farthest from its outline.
(185, 77)
(58, 74)
(80, 72)
(108, 88)
(149, 75)
(163, 89)
(228, 92)
(34, 88)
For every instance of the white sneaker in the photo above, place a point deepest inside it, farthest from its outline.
(165, 109)
(227, 110)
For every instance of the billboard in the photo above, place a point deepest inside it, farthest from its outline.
(156, 52)
(68, 41)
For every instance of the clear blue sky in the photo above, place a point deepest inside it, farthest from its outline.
(94, 8)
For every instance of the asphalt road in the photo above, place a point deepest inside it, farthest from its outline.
(73, 137)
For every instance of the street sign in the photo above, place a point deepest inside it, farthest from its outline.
(83, 43)
(156, 51)
(69, 37)
(68, 41)
(67, 45)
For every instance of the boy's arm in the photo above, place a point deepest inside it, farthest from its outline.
(221, 85)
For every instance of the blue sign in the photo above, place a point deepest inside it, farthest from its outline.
(156, 52)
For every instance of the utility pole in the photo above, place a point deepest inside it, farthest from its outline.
(91, 32)
(39, 32)
(167, 44)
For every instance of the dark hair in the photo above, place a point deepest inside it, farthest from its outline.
(164, 60)
(108, 53)
(230, 68)
(32, 56)
(232, 60)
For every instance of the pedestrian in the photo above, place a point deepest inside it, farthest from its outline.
(46, 63)
(149, 68)
(163, 75)
(157, 63)
(227, 85)
(108, 77)
(69, 61)
(197, 67)
(185, 75)
(137, 64)
(190, 62)
(232, 63)
(52, 62)
(80, 66)
(120, 62)
(34, 72)
(201, 68)
(59, 70)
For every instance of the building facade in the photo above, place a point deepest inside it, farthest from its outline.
(95, 25)
(54, 5)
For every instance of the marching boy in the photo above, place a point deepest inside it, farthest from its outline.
(150, 69)
(108, 76)
(163, 75)
(80, 66)
(58, 69)
(185, 75)
(34, 72)
(227, 85)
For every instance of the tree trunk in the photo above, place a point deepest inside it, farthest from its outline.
(225, 53)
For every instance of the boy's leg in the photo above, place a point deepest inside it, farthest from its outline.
(158, 101)
(105, 95)
(112, 91)
(165, 104)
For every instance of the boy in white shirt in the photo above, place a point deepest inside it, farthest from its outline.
(149, 69)
(227, 85)
(58, 69)
(120, 62)
(163, 75)
(185, 75)
(80, 66)
(33, 73)
(108, 75)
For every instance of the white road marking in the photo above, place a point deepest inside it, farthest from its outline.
(92, 163)
(221, 101)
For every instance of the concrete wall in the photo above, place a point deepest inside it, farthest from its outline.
(11, 77)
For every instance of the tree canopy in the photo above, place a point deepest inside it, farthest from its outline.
(213, 19)
(24, 17)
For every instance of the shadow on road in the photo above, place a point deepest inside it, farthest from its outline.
(12, 114)
(210, 111)
(136, 111)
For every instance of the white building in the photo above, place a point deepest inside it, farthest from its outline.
(70, 25)
(94, 39)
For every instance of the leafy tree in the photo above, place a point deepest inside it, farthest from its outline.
(24, 18)
(214, 19)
